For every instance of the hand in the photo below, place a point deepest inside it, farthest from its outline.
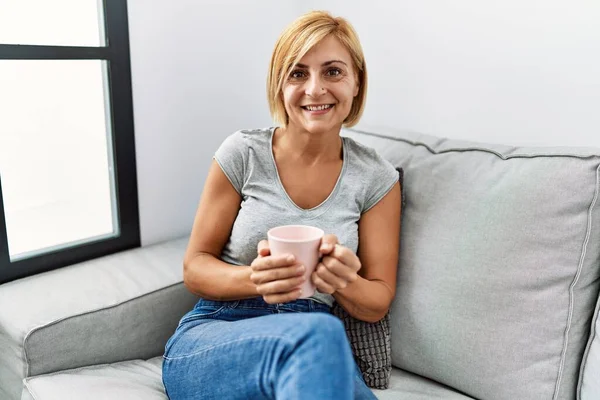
(338, 267)
(277, 278)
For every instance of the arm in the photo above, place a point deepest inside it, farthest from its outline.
(204, 274)
(367, 296)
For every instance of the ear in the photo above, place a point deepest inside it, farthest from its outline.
(356, 89)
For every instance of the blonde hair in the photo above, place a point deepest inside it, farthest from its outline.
(297, 40)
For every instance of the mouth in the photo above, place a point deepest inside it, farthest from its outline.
(319, 109)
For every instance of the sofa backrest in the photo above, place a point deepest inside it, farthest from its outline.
(499, 266)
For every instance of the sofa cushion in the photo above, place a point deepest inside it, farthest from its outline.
(141, 380)
(589, 378)
(499, 263)
(118, 307)
(131, 380)
(407, 386)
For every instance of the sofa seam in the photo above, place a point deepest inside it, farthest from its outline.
(587, 350)
(572, 287)
(582, 253)
(593, 331)
(29, 389)
(84, 367)
(37, 328)
(465, 149)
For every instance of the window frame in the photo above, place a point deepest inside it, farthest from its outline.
(120, 109)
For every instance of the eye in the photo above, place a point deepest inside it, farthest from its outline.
(297, 74)
(333, 72)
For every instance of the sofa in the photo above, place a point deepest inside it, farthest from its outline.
(497, 291)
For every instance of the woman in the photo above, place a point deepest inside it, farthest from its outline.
(250, 336)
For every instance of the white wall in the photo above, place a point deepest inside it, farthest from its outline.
(512, 72)
(199, 73)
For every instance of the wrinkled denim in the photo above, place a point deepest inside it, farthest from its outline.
(248, 349)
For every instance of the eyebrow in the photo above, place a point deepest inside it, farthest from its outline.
(326, 63)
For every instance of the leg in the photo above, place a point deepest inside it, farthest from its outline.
(281, 356)
(361, 390)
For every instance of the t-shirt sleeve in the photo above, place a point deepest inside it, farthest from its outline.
(384, 177)
(231, 157)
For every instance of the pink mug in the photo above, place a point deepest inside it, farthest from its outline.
(303, 242)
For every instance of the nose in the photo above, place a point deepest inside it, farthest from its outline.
(314, 86)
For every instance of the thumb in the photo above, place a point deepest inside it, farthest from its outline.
(327, 243)
(263, 248)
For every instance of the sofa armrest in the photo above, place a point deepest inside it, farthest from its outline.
(118, 307)
(589, 377)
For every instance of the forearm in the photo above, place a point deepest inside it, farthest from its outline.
(365, 300)
(213, 279)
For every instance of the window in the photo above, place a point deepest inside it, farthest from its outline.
(68, 188)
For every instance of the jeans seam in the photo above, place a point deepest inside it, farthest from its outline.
(195, 316)
(283, 339)
(250, 307)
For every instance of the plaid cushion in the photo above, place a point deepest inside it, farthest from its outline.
(370, 342)
(371, 347)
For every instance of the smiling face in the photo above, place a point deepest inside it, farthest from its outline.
(318, 93)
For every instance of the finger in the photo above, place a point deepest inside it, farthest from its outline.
(282, 297)
(339, 269)
(263, 248)
(270, 262)
(280, 286)
(346, 257)
(321, 285)
(335, 281)
(327, 243)
(260, 277)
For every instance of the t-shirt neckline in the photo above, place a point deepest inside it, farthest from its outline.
(333, 193)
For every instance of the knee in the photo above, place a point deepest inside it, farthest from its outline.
(326, 323)
(325, 328)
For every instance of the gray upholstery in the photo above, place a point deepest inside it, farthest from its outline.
(498, 281)
(589, 378)
(141, 380)
(128, 380)
(407, 386)
(499, 264)
(124, 306)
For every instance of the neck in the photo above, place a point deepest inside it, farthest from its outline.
(308, 147)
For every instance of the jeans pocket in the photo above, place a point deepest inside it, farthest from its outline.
(199, 312)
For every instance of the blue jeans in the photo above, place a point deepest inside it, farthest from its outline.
(248, 349)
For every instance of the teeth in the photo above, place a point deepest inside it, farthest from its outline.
(318, 108)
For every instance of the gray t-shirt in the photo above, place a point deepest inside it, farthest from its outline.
(246, 158)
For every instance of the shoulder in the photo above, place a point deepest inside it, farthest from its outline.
(245, 137)
(242, 140)
(359, 149)
(233, 155)
(367, 158)
(259, 135)
(377, 176)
